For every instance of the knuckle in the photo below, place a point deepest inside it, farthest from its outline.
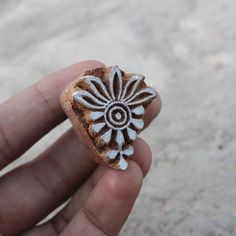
(59, 223)
(94, 221)
(45, 100)
(7, 151)
(54, 177)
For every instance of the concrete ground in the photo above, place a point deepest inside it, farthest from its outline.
(187, 50)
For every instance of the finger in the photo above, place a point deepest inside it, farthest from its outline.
(29, 115)
(35, 189)
(53, 175)
(142, 157)
(48, 181)
(109, 204)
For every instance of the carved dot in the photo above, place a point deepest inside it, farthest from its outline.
(118, 115)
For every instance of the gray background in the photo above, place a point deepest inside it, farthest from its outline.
(187, 50)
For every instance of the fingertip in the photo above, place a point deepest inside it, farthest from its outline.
(157, 104)
(89, 64)
(142, 155)
(124, 184)
(153, 110)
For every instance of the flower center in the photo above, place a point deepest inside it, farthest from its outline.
(117, 115)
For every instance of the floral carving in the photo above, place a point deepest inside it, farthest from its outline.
(116, 111)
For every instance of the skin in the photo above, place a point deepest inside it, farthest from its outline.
(100, 198)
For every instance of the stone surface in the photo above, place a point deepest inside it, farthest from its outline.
(187, 50)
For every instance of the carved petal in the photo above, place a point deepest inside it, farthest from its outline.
(112, 154)
(131, 87)
(88, 100)
(96, 115)
(123, 164)
(98, 127)
(93, 81)
(138, 123)
(129, 151)
(120, 139)
(107, 136)
(143, 96)
(138, 110)
(115, 82)
(131, 133)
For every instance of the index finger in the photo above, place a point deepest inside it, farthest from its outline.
(29, 115)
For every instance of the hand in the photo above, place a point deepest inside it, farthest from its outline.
(101, 198)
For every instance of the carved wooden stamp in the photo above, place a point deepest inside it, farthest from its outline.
(106, 107)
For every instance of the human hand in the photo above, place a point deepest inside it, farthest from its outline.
(101, 198)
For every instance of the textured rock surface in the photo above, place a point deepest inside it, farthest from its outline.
(187, 50)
